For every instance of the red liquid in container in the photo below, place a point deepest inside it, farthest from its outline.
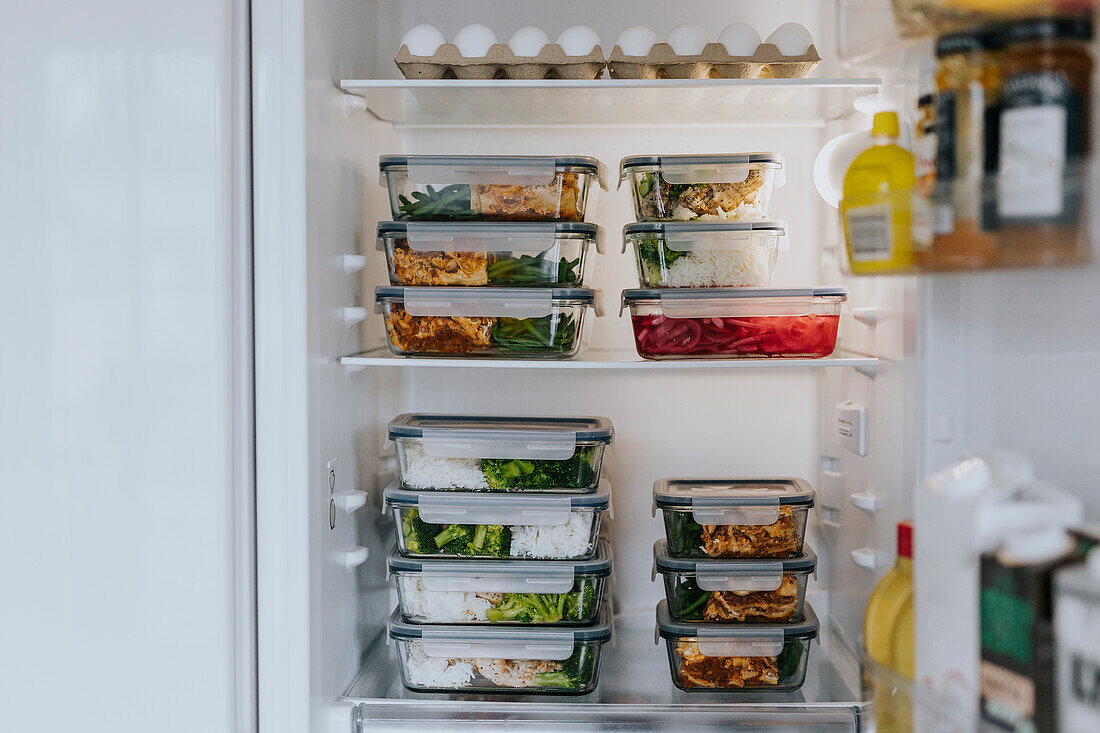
(658, 336)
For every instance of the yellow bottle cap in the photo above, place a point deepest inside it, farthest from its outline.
(886, 123)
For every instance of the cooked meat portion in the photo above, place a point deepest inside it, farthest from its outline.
(439, 268)
(438, 334)
(514, 672)
(491, 597)
(697, 670)
(554, 200)
(705, 199)
(772, 605)
(779, 539)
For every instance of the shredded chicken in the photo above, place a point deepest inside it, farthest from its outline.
(774, 605)
(555, 200)
(491, 597)
(439, 268)
(697, 670)
(779, 539)
(437, 334)
(706, 199)
(514, 672)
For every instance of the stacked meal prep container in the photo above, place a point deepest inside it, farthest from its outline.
(735, 567)
(499, 566)
(706, 254)
(487, 254)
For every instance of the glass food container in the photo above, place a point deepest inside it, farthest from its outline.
(730, 254)
(734, 591)
(505, 254)
(491, 453)
(502, 323)
(516, 592)
(745, 658)
(704, 187)
(517, 660)
(734, 518)
(468, 524)
(718, 323)
(497, 187)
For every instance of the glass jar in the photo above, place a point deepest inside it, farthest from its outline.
(966, 81)
(1042, 140)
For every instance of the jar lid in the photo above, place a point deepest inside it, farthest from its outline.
(968, 41)
(1027, 30)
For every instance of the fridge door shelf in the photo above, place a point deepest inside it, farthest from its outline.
(608, 359)
(453, 102)
(640, 694)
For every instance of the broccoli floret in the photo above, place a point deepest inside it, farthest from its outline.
(581, 602)
(575, 672)
(574, 473)
(418, 534)
(529, 608)
(454, 539)
(498, 541)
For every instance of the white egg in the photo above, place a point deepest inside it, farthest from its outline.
(636, 41)
(578, 40)
(474, 40)
(791, 39)
(423, 40)
(528, 41)
(687, 39)
(740, 39)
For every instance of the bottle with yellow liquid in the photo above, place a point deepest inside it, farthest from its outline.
(888, 635)
(885, 220)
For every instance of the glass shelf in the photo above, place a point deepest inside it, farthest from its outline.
(454, 102)
(635, 692)
(604, 359)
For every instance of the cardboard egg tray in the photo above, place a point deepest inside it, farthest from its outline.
(714, 63)
(500, 63)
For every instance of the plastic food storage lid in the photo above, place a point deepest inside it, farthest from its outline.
(450, 641)
(488, 436)
(476, 236)
(505, 170)
(479, 507)
(735, 640)
(735, 575)
(719, 168)
(731, 302)
(753, 501)
(688, 236)
(502, 576)
(483, 302)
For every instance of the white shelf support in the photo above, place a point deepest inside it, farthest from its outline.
(866, 558)
(865, 501)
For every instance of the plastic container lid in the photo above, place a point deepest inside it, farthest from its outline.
(736, 640)
(487, 436)
(715, 168)
(449, 641)
(687, 236)
(482, 302)
(508, 170)
(732, 501)
(502, 576)
(731, 302)
(478, 507)
(477, 236)
(735, 575)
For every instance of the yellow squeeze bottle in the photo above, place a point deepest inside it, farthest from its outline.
(888, 636)
(878, 205)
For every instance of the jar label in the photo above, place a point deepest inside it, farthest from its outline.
(945, 135)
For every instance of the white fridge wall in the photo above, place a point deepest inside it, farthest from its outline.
(125, 432)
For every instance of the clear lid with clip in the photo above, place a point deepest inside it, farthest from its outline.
(732, 575)
(694, 169)
(476, 236)
(733, 640)
(499, 642)
(502, 576)
(754, 501)
(488, 436)
(483, 302)
(502, 170)
(688, 236)
(469, 507)
(733, 302)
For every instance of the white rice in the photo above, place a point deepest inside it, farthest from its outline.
(422, 471)
(439, 606)
(566, 540)
(424, 671)
(712, 268)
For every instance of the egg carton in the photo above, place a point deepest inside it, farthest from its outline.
(713, 63)
(500, 63)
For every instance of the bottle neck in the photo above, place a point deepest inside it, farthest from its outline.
(904, 564)
(881, 140)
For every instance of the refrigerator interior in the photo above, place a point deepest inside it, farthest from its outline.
(322, 593)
